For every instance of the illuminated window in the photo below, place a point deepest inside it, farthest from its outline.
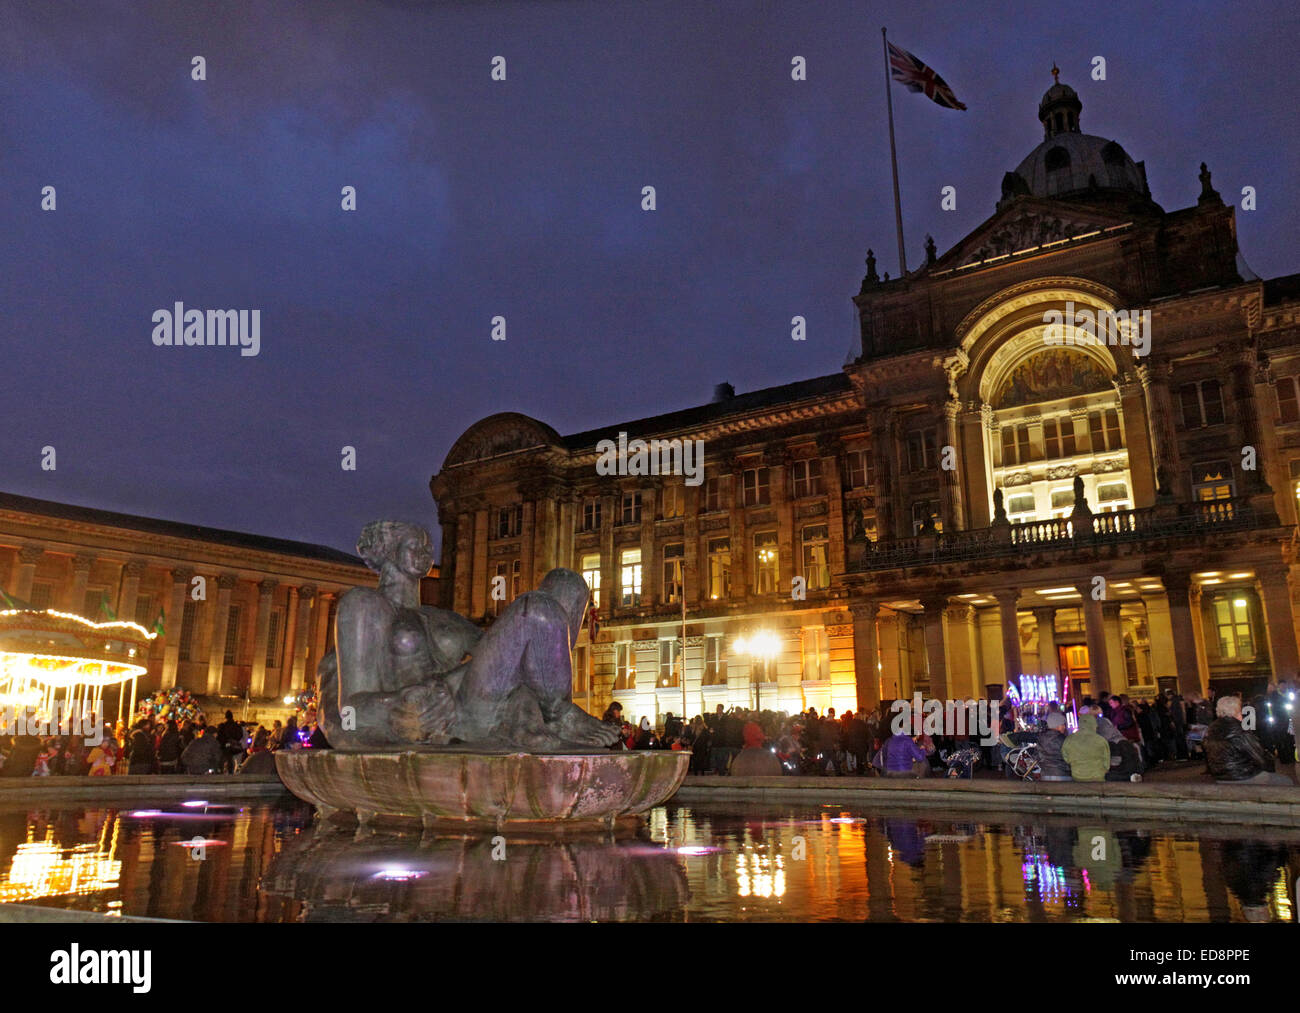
(674, 500)
(765, 562)
(1021, 508)
(591, 515)
(1287, 401)
(1295, 478)
(1103, 427)
(859, 470)
(591, 574)
(1058, 438)
(625, 666)
(630, 577)
(510, 521)
(713, 494)
(807, 477)
(41, 597)
(632, 508)
(816, 567)
(920, 449)
(1112, 496)
(816, 665)
(756, 490)
(715, 662)
(922, 511)
(1017, 445)
(1232, 617)
(1202, 403)
(511, 575)
(670, 653)
(719, 568)
(673, 560)
(579, 671)
(1062, 502)
(1212, 481)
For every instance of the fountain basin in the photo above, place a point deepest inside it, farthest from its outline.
(470, 789)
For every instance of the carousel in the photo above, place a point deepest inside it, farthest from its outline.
(56, 663)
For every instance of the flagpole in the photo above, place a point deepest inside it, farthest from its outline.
(893, 157)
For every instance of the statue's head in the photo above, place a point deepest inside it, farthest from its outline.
(570, 589)
(401, 546)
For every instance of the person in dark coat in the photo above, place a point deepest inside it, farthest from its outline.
(170, 749)
(230, 735)
(857, 741)
(140, 752)
(1234, 755)
(203, 755)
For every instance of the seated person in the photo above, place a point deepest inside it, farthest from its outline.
(900, 757)
(1125, 761)
(755, 760)
(1087, 753)
(1234, 755)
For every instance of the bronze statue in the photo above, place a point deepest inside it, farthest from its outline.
(404, 676)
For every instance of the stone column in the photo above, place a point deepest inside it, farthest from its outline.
(1010, 623)
(1163, 658)
(306, 594)
(740, 576)
(652, 571)
(935, 653)
(1115, 647)
(261, 637)
(973, 462)
(28, 557)
(448, 522)
(1049, 663)
(950, 501)
(964, 667)
(1184, 597)
(130, 592)
(828, 447)
(891, 663)
(479, 569)
(866, 656)
(1273, 585)
(882, 422)
(320, 634)
(1160, 410)
(462, 574)
(174, 624)
(1094, 622)
(74, 599)
(693, 580)
(779, 475)
(219, 624)
(526, 547)
(1137, 440)
(1239, 356)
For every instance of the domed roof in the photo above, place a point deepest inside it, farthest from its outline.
(1068, 162)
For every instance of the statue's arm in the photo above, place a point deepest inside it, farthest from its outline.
(361, 629)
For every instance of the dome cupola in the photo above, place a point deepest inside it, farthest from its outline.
(1059, 110)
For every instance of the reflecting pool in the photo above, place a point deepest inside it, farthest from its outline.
(269, 861)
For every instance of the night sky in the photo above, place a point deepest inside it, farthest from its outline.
(521, 198)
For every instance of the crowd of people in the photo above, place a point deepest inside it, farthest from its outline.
(158, 746)
(1114, 738)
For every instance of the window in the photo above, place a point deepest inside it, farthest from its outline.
(1232, 617)
(859, 470)
(1212, 480)
(1287, 401)
(508, 569)
(630, 578)
(765, 562)
(41, 596)
(625, 667)
(1202, 403)
(145, 612)
(715, 662)
(1062, 502)
(1021, 509)
(189, 620)
(869, 527)
(272, 641)
(95, 601)
(816, 568)
(510, 521)
(591, 515)
(632, 508)
(1295, 479)
(232, 636)
(1103, 427)
(719, 568)
(580, 681)
(920, 449)
(713, 494)
(670, 653)
(673, 561)
(807, 477)
(756, 490)
(591, 574)
(815, 660)
(1057, 157)
(1058, 438)
(674, 500)
(1017, 446)
(1113, 496)
(922, 511)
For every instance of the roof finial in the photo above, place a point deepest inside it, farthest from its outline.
(1056, 73)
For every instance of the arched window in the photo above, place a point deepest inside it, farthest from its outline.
(1057, 158)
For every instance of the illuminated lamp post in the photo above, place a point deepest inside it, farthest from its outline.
(762, 646)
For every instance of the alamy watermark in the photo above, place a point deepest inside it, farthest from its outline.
(946, 717)
(179, 326)
(61, 719)
(658, 457)
(1099, 327)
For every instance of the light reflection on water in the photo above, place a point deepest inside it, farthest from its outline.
(718, 861)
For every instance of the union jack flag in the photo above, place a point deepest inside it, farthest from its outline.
(914, 75)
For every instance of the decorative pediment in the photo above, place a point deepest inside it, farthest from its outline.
(504, 433)
(1026, 224)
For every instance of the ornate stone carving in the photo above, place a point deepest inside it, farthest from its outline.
(1018, 478)
(227, 581)
(811, 509)
(715, 523)
(30, 554)
(1062, 471)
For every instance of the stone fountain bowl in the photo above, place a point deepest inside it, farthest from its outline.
(485, 789)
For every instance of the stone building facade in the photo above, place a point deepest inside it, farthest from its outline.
(262, 626)
(982, 494)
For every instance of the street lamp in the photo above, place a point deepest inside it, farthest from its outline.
(761, 646)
